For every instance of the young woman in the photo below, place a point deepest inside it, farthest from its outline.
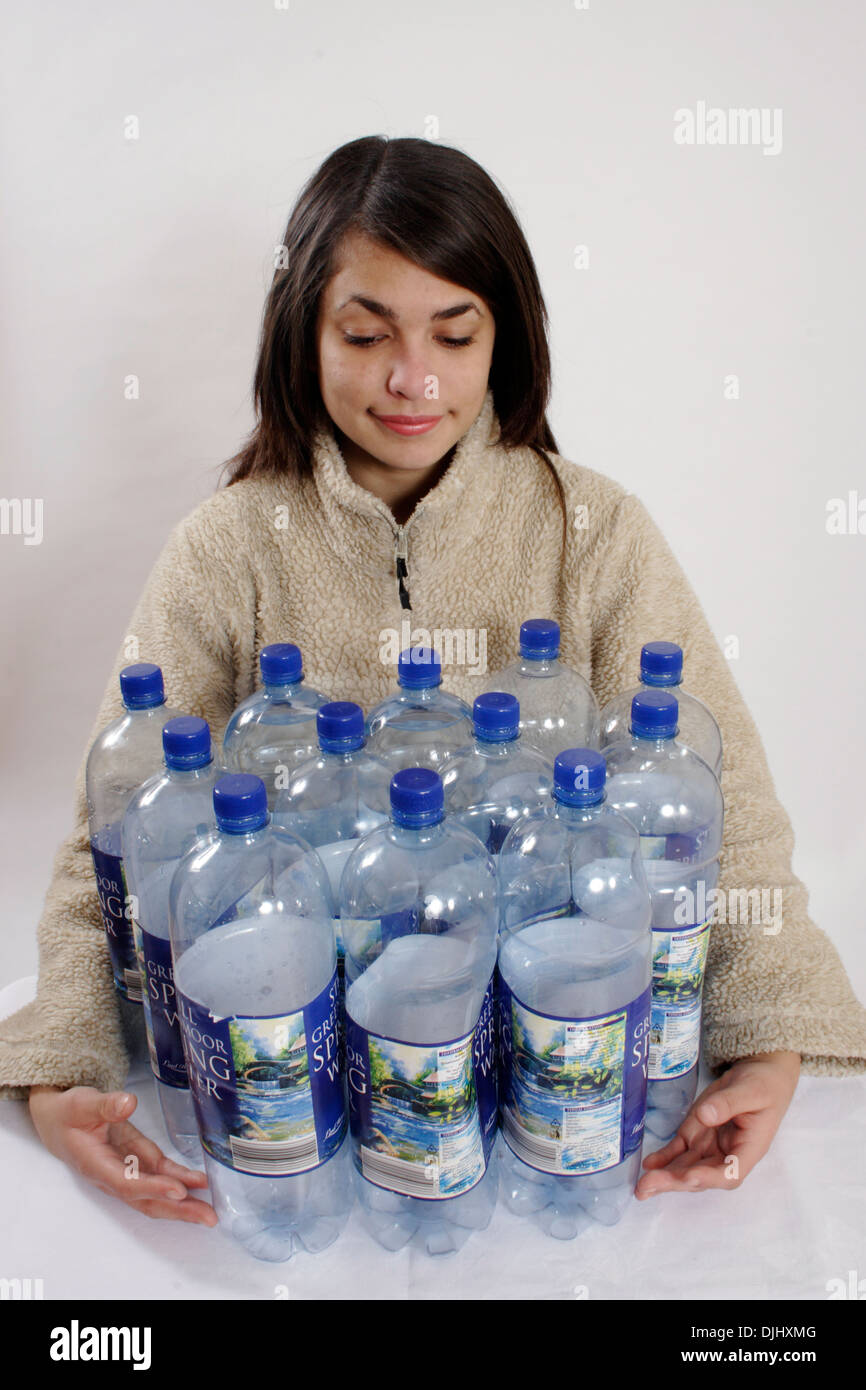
(402, 468)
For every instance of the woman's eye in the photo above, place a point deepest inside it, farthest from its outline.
(365, 342)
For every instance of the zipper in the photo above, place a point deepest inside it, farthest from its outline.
(401, 565)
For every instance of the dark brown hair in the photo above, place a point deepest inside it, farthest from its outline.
(439, 209)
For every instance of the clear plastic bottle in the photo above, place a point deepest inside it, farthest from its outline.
(661, 668)
(674, 801)
(273, 730)
(421, 725)
(125, 754)
(419, 909)
(256, 980)
(164, 819)
(497, 779)
(557, 707)
(335, 799)
(575, 951)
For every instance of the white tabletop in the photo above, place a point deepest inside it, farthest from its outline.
(797, 1224)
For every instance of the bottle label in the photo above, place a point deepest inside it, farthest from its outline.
(423, 1116)
(267, 1090)
(112, 890)
(573, 1089)
(161, 1019)
(679, 959)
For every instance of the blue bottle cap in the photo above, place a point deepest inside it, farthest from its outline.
(539, 639)
(240, 803)
(654, 714)
(578, 776)
(141, 686)
(419, 667)
(417, 797)
(496, 716)
(186, 742)
(661, 663)
(281, 663)
(340, 726)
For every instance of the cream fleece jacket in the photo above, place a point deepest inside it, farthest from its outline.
(501, 537)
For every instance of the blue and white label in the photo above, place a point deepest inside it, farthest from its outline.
(161, 1017)
(573, 1090)
(679, 961)
(423, 1116)
(267, 1090)
(112, 890)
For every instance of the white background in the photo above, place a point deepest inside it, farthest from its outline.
(152, 257)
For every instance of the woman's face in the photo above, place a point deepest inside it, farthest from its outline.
(425, 352)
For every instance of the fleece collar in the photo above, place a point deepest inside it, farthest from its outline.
(362, 528)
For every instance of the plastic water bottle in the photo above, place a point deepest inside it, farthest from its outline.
(574, 1005)
(557, 707)
(673, 799)
(496, 780)
(421, 725)
(273, 730)
(335, 799)
(164, 819)
(125, 754)
(661, 668)
(419, 909)
(256, 979)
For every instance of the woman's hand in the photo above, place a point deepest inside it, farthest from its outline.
(89, 1130)
(728, 1129)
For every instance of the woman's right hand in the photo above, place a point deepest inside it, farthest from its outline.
(90, 1130)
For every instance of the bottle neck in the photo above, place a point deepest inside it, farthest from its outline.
(538, 666)
(417, 834)
(656, 742)
(421, 693)
(282, 690)
(576, 815)
(200, 773)
(238, 838)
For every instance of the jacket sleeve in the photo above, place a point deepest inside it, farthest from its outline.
(71, 1034)
(773, 985)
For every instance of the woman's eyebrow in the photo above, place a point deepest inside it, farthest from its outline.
(383, 312)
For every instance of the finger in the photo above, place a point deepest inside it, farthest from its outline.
(127, 1141)
(747, 1091)
(86, 1107)
(190, 1177)
(192, 1210)
(670, 1150)
(103, 1166)
(689, 1177)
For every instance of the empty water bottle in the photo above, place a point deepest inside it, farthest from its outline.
(125, 754)
(557, 707)
(164, 819)
(673, 799)
(661, 668)
(256, 980)
(574, 1004)
(273, 730)
(420, 725)
(419, 916)
(334, 799)
(497, 779)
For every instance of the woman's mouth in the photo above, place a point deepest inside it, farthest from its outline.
(408, 424)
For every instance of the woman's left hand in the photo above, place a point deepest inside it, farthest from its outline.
(728, 1129)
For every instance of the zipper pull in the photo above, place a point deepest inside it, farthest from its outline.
(400, 562)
